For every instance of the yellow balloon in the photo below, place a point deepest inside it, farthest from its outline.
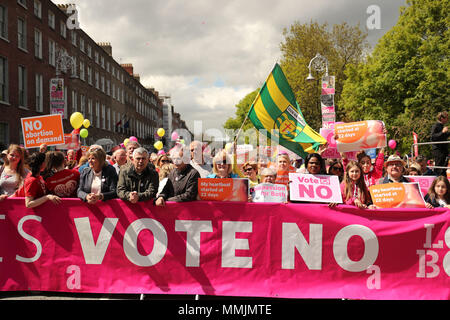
(76, 120)
(161, 132)
(125, 142)
(158, 145)
(86, 123)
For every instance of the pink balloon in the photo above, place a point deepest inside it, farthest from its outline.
(161, 152)
(392, 144)
(133, 138)
(174, 136)
(122, 145)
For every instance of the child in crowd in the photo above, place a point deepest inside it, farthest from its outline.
(438, 194)
(353, 188)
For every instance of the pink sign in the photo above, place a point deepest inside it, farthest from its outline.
(226, 248)
(424, 182)
(315, 188)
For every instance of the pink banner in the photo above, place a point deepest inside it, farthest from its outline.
(226, 248)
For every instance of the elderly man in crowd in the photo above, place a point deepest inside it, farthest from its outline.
(182, 182)
(395, 167)
(131, 146)
(197, 159)
(138, 181)
(120, 159)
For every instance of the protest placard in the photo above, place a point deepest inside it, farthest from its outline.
(314, 188)
(227, 189)
(397, 195)
(46, 129)
(423, 181)
(355, 136)
(268, 192)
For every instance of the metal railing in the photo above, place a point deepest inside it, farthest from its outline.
(428, 143)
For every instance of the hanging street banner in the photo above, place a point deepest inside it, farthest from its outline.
(225, 249)
(42, 129)
(57, 100)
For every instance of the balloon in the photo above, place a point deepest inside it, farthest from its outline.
(122, 145)
(392, 144)
(158, 145)
(133, 138)
(83, 133)
(161, 132)
(76, 120)
(125, 142)
(174, 136)
(86, 123)
(161, 152)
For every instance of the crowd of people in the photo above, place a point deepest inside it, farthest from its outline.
(134, 174)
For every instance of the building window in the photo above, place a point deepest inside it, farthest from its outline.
(22, 34)
(3, 79)
(82, 71)
(103, 83)
(108, 116)
(22, 86)
(97, 114)
(103, 117)
(74, 101)
(3, 22)
(39, 93)
(97, 81)
(89, 74)
(74, 37)
(63, 29)
(37, 44)
(89, 51)
(108, 87)
(82, 44)
(38, 9)
(83, 103)
(74, 67)
(51, 52)
(51, 20)
(90, 114)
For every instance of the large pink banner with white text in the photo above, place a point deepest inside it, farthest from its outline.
(226, 248)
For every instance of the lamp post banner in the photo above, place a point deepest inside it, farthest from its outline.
(225, 248)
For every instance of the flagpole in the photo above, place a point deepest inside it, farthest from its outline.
(240, 129)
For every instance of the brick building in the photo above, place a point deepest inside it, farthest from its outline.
(34, 36)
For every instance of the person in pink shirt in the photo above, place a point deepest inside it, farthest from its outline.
(371, 173)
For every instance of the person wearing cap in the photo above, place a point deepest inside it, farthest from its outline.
(395, 167)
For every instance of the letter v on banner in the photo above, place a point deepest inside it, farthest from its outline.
(94, 252)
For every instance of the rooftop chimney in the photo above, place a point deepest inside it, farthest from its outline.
(128, 68)
(106, 46)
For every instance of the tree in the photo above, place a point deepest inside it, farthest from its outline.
(344, 45)
(242, 109)
(405, 81)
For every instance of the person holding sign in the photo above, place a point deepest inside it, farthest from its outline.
(315, 164)
(58, 180)
(284, 168)
(250, 171)
(99, 180)
(371, 173)
(353, 188)
(394, 168)
(439, 193)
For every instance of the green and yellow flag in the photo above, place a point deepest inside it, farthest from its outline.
(276, 111)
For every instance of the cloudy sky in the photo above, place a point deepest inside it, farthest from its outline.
(209, 54)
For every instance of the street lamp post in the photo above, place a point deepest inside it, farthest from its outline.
(318, 63)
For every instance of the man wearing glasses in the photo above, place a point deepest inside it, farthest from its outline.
(138, 181)
(395, 167)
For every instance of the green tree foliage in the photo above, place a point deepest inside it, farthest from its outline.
(343, 45)
(242, 109)
(405, 81)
